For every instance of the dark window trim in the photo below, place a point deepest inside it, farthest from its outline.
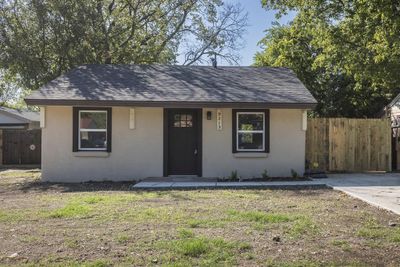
(234, 130)
(75, 128)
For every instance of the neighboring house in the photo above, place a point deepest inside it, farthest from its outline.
(392, 111)
(124, 122)
(18, 119)
(19, 137)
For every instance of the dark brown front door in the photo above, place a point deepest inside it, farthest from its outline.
(21, 146)
(182, 142)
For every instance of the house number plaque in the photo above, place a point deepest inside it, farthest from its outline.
(219, 120)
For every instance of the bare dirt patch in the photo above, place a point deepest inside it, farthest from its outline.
(105, 224)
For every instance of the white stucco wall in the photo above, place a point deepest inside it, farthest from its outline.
(138, 153)
(135, 153)
(287, 147)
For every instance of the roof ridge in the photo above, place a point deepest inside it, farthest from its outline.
(182, 66)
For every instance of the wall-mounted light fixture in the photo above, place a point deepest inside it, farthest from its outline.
(209, 114)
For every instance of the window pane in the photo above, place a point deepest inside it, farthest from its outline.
(93, 139)
(250, 141)
(183, 121)
(93, 120)
(251, 122)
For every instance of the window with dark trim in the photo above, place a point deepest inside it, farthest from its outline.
(250, 130)
(91, 129)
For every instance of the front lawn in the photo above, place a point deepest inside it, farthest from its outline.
(85, 224)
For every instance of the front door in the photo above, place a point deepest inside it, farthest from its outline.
(182, 142)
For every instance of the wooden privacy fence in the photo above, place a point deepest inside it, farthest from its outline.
(341, 144)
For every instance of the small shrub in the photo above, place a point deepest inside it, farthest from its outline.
(234, 175)
(264, 174)
(294, 174)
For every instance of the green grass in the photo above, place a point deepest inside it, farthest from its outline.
(123, 239)
(259, 216)
(202, 251)
(72, 243)
(185, 233)
(302, 226)
(103, 198)
(209, 223)
(193, 247)
(71, 210)
(312, 263)
(11, 216)
(343, 244)
(191, 228)
(371, 229)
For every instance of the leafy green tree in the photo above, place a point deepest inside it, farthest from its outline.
(347, 52)
(41, 39)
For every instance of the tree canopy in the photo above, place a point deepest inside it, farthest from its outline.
(41, 39)
(347, 52)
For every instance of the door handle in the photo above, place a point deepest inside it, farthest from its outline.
(195, 151)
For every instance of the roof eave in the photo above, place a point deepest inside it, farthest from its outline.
(16, 116)
(166, 104)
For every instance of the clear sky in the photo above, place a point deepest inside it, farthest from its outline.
(259, 20)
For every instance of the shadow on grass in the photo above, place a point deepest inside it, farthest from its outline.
(75, 187)
(126, 186)
(29, 181)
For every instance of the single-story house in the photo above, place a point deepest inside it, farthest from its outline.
(129, 122)
(19, 137)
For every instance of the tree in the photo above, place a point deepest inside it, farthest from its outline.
(8, 90)
(347, 52)
(41, 39)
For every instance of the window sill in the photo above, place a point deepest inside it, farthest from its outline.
(250, 155)
(92, 154)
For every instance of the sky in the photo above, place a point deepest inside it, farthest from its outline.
(259, 20)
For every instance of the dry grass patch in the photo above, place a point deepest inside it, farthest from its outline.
(103, 224)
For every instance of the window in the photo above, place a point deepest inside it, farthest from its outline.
(92, 129)
(183, 121)
(250, 131)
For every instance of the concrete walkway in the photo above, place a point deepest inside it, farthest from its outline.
(159, 185)
(378, 189)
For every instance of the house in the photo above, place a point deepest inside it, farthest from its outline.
(392, 111)
(124, 122)
(18, 119)
(19, 137)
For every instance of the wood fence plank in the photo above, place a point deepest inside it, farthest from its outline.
(341, 144)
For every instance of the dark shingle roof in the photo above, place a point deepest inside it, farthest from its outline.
(163, 84)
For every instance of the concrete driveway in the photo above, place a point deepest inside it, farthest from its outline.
(379, 189)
